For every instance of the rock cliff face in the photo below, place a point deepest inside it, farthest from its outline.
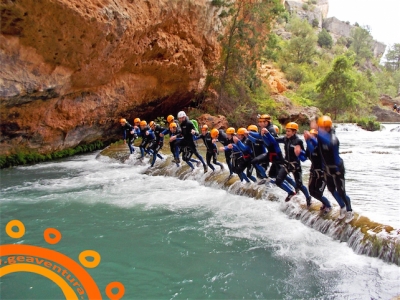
(339, 28)
(310, 12)
(71, 68)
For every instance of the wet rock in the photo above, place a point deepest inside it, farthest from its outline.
(385, 114)
(219, 122)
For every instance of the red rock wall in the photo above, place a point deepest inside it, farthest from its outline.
(70, 69)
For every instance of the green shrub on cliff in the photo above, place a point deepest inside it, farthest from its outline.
(235, 77)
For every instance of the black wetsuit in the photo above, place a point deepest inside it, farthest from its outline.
(187, 140)
(212, 150)
(328, 147)
(223, 139)
(292, 163)
(129, 135)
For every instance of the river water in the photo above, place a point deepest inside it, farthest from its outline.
(165, 238)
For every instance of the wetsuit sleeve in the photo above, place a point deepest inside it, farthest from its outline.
(335, 148)
(303, 155)
(196, 137)
(255, 135)
(179, 137)
(235, 148)
(242, 147)
(312, 143)
(325, 137)
(151, 134)
(270, 140)
(165, 131)
(252, 139)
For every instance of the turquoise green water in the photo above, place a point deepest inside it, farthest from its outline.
(155, 253)
(165, 238)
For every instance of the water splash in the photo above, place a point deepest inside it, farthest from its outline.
(362, 235)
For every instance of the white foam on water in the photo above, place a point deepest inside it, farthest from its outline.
(230, 216)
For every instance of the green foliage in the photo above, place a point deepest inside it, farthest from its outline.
(365, 82)
(295, 73)
(302, 45)
(385, 83)
(244, 45)
(325, 39)
(369, 123)
(361, 43)
(218, 3)
(337, 88)
(272, 49)
(344, 41)
(284, 17)
(298, 99)
(315, 23)
(23, 158)
(393, 58)
(160, 121)
(304, 6)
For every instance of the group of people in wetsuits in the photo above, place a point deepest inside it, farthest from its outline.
(256, 148)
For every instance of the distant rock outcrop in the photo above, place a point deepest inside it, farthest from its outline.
(384, 112)
(339, 28)
(319, 11)
(310, 12)
(293, 113)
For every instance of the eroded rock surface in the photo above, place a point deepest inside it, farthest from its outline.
(70, 67)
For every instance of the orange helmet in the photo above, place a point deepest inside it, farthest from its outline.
(172, 125)
(170, 118)
(137, 120)
(241, 131)
(264, 117)
(204, 127)
(122, 120)
(143, 123)
(252, 128)
(276, 129)
(325, 121)
(214, 133)
(230, 130)
(152, 124)
(292, 125)
(314, 131)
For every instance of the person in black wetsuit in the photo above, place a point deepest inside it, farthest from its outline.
(291, 161)
(333, 166)
(129, 134)
(316, 182)
(265, 121)
(212, 150)
(157, 143)
(173, 132)
(187, 142)
(242, 155)
(146, 136)
(260, 156)
(226, 138)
